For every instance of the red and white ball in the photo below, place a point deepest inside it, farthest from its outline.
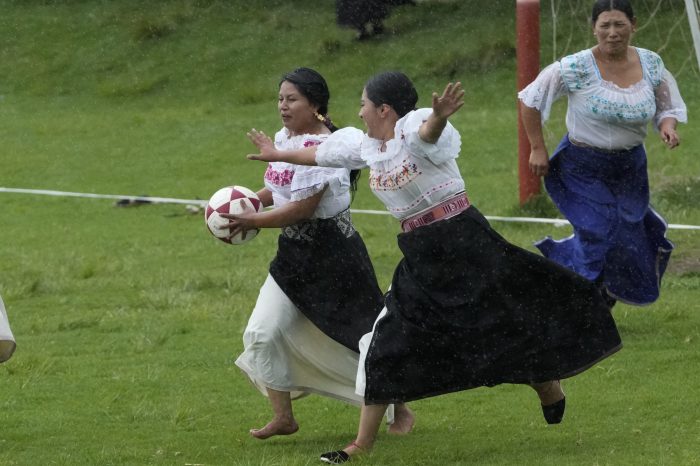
(228, 201)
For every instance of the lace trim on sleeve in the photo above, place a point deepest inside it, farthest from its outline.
(669, 102)
(312, 180)
(304, 193)
(544, 90)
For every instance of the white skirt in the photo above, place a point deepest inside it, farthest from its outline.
(361, 377)
(7, 340)
(284, 351)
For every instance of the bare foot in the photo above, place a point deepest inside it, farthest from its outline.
(275, 427)
(403, 420)
(549, 392)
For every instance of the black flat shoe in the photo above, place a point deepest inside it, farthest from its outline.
(335, 457)
(554, 413)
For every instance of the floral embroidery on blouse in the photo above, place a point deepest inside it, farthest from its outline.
(425, 195)
(621, 112)
(394, 178)
(575, 71)
(312, 142)
(653, 64)
(279, 178)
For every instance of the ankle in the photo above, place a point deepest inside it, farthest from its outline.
(359, 447)
(548, 392)
(544, 387)
(284, 418)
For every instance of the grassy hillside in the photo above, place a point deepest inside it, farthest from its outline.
(128, 320)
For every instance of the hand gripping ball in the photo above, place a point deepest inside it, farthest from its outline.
(230, 200)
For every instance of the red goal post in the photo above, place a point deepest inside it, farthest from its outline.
(527, 33)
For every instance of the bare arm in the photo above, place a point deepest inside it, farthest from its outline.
(265, 196)
(268, 152)
(444, 106)
(288, 214)
(532, 121)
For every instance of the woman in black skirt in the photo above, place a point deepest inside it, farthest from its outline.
(466, 308)
(321, 294)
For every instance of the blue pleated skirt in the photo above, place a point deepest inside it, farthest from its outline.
(619, 240)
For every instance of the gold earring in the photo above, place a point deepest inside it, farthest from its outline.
(319, 117)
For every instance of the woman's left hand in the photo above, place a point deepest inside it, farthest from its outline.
(667, 131)
(670, 137)
(241, 222)
(449, 102)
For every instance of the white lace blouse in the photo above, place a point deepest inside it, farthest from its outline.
(410, 175)
(599, 113)
(289, 182)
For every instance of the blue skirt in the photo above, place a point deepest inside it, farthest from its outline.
(618, 240)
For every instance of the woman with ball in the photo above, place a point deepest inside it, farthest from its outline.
(321, 294)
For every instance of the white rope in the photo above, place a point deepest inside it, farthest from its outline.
(199, 202)
(154, 200)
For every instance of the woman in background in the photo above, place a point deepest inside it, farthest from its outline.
(597, 175)
(366, 16)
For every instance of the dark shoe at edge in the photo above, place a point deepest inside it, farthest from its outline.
(554, 413)
(335, 457)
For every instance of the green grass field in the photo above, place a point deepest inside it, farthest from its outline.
(128, 320)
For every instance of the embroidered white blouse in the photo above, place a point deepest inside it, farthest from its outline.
(411, 174)
(289, 182)
(599, 113)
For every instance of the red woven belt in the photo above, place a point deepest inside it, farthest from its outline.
(444, 210)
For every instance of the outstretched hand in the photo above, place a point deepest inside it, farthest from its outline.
(449, 102)
(262, 141)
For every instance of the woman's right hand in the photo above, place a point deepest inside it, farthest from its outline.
(241, 222)
(539, 162)
(449, 102)
(268, 153)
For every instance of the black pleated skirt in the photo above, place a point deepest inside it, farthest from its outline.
(468, 309)
(323, 266)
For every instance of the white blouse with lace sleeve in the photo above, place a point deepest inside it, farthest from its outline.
(289, 182)
(600, 113)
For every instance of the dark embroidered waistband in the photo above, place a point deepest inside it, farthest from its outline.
(308, 229)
